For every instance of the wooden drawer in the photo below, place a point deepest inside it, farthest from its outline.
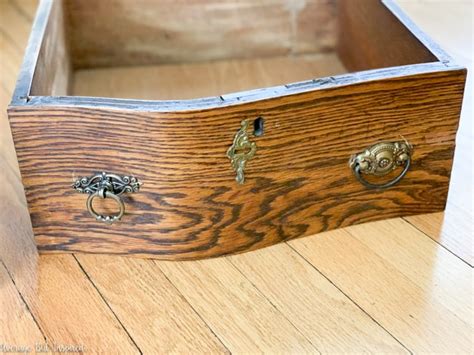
(158, 90)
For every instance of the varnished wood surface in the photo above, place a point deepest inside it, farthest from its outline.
(416, 288)
(299, 182)
(393, 277)
(190, 205)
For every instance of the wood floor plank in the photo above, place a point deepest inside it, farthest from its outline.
(155, 314)
(402, 279)
(329, 319)
(70, 311)
(453, 31)
(17, 248)
(419, 259)
(239, 314)
(18, 254)
(18, 328)
(16, 20)
(10, 56)
(26, 7)
(452, 229)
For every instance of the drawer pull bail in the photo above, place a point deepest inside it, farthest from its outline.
(380, 160)
(106, 185)
(241, 151)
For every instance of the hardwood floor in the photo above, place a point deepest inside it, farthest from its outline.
(399, 286)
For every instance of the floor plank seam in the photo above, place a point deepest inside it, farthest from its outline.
(10, 40)
(437, 242)
(107, 304)
(20, 11)
(24, 302)
(274, 306)
(7, 91)
(351, 300)
(194, 310)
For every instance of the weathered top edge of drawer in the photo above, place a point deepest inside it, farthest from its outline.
(331, 82)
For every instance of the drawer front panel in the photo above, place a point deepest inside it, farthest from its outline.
(298, 182)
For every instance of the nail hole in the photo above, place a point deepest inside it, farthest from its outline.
(258, 127)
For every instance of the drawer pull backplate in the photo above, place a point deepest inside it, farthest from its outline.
(106, 185)
(380, 160)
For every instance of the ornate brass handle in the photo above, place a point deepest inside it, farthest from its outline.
(105, 185)
(381, 159)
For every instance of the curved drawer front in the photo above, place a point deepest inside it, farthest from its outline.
(298, 181)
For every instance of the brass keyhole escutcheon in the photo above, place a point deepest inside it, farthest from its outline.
(241, 151)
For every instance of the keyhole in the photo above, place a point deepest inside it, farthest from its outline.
(258, 127)
(240, 151)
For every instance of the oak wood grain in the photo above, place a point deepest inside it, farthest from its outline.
(42, 302)
(298, 184)
(17, 230)
(169, 163)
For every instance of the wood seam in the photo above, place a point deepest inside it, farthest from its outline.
(414, 225)
(273, 305)
(24, 302)
(221, 341)
(107, 304)
(20, 11)
(350, 299)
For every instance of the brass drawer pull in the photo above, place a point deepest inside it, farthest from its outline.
(106, 186)
(381, 159)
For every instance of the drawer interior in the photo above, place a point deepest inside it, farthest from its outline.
(163, 49)
(202, 79)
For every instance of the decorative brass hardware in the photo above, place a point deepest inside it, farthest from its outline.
(381, 159)
(105, 185)
(241, 151)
